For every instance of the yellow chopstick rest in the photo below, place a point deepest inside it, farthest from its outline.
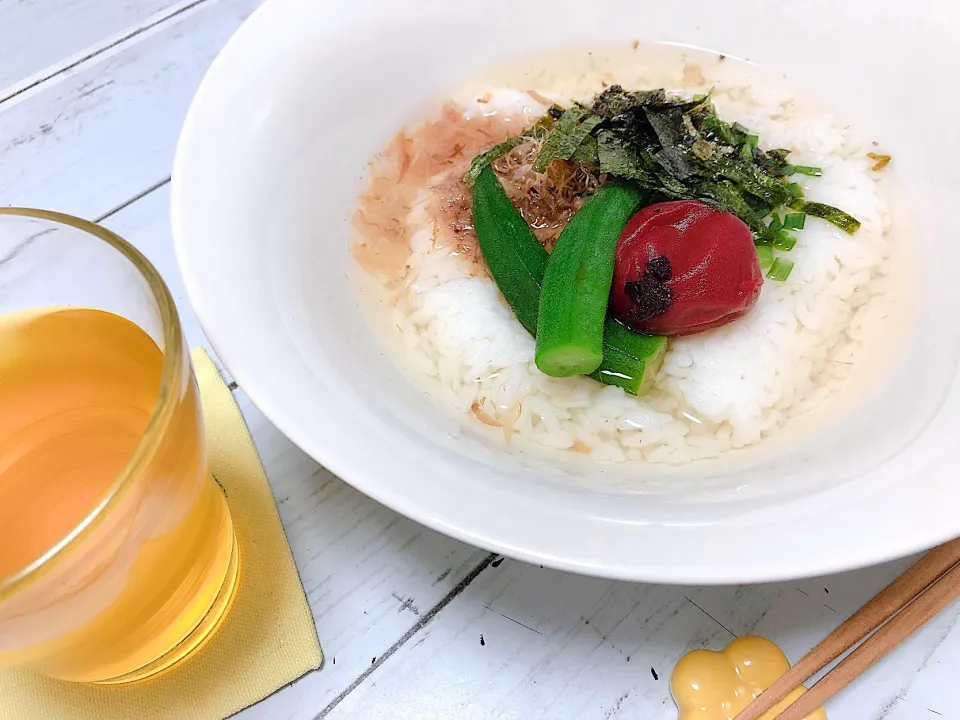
(717, 685)
(268, 639)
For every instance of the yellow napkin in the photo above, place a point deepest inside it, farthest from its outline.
(268, 639)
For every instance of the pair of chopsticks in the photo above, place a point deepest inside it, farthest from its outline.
(899, 610)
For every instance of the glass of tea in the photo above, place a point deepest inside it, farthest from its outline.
(118, 557)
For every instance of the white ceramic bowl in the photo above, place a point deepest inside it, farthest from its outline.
(267, 171)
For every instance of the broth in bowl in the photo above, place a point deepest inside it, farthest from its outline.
(635, 253)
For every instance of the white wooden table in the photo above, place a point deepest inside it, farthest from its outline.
(413, 624)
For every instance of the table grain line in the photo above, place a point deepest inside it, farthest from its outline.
(95, 50)
(135, 198)
(711, 616)
(414, 629)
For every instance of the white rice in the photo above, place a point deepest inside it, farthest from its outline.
(726, 388)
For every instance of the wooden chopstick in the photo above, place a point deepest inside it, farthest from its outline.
(920, 576)
(941, 594)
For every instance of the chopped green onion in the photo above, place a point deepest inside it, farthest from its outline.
(780, 270)
(760, 207)
(842, 220)
(794, 221)
(720, 129)
(749, 144)
(765, 256)
(795, 190)
(784, 241)
(804, 170)
(776, 224)
(740, 132)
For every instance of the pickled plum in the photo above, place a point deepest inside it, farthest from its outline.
(683, 267)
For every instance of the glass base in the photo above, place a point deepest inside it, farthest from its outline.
(200, 634)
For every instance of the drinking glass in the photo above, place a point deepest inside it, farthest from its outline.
(118, 556)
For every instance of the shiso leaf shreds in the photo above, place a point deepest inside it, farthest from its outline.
(677, 149)
(842, 220)
(540, 130)
(483, 160)
(565, 138)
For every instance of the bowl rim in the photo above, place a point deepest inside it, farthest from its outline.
(889, 546)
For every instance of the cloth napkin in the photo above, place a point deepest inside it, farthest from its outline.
(267, 640)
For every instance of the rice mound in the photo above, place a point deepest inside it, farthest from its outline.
(722, 389)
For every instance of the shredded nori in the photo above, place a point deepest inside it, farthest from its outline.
(615, 100)
(695, 154)
(588, 152)
(677, 149)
